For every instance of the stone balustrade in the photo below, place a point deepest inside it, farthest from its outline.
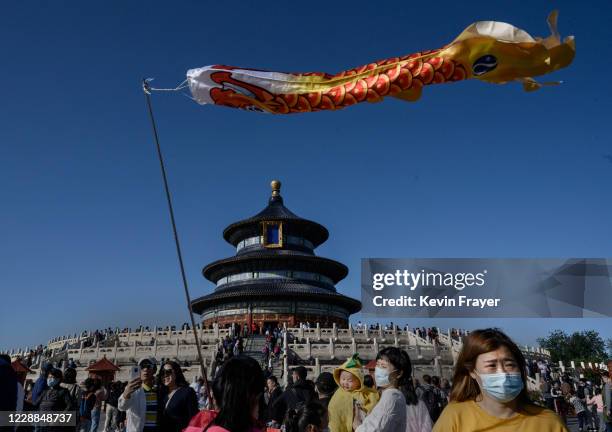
(343, 343)
(359, 334)
(325, 343)
(368, 350)
(403, 337)
(59, 344)
(185, 336)
(129, 354)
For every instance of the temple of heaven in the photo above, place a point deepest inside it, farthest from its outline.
(275, 278)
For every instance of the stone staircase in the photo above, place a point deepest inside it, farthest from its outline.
(254, 347)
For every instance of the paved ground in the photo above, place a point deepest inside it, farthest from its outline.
(573, 424)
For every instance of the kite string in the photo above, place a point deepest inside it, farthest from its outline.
(149, 89)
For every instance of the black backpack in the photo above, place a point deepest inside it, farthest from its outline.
(432, 402)
(298, 397)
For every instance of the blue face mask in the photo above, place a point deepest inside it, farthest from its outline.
(52, 382)
(503, 387)
(382, 377)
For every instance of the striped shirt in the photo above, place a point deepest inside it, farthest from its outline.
(151, 410)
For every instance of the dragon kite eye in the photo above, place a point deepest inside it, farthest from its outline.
(484, 64)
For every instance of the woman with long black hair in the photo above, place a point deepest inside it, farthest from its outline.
(240, 386)
(179, 402)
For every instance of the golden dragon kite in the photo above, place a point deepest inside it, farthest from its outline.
(490, 51)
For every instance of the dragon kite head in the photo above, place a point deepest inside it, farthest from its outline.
(498, 52)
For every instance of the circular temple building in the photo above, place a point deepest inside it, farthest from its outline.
(275, 277)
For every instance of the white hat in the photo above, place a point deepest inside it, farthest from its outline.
(148, 359)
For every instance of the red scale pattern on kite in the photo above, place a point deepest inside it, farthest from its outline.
(405, 77)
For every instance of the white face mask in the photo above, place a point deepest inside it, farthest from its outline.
(382, 376)
(503, 387)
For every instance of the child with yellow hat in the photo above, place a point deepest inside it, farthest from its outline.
(352, 394)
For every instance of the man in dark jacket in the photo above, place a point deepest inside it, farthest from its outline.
(272, 394)
(300, 392)
(54, 398)
(326, 387)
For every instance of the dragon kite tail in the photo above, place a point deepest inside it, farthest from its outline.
(490, 51)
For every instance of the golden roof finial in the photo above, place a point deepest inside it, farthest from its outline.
(275, 185)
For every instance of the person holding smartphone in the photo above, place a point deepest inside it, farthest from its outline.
(140, 397)
(490, 392)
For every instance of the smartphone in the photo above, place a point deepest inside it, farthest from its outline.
(134, 372)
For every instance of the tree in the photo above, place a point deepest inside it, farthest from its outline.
(586, 346)
(557, 344)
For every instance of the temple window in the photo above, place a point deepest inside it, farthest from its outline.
(273, 234)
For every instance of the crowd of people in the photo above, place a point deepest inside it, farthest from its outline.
(233, 345)
(579, 397)
(488, 391)
(272, 349)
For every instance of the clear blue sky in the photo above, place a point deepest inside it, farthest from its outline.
(471, 170)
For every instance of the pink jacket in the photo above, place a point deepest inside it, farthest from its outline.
(596, 400)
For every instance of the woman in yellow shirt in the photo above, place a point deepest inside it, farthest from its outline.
(489, 391)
